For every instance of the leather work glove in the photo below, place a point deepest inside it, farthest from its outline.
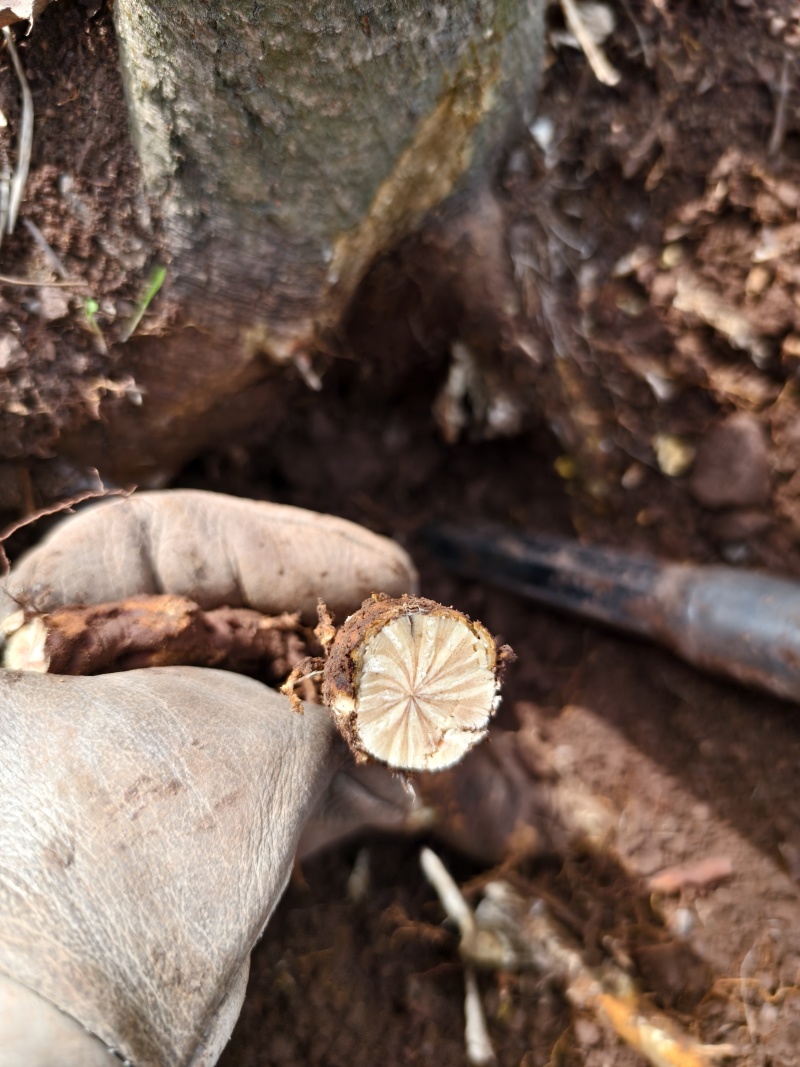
(149, 819)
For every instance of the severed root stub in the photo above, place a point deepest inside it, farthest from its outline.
(409, 682)
(412, 683)
(153, 631)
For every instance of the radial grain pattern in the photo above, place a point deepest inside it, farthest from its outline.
(412, 683)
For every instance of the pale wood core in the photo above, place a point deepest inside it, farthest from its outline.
(425, 692)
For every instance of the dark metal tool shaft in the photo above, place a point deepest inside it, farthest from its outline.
(738, 623)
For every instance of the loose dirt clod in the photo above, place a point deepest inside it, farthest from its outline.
(412, 683)
(732, 468)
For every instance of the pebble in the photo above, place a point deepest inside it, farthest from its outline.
(683, 922)
(53, 304)
(12, 354)
(587, 1032)
(673, 455)
(732, 465)
(767, 1017)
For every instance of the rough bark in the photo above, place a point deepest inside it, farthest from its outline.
(287, 147)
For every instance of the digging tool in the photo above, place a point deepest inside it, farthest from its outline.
(738, 623)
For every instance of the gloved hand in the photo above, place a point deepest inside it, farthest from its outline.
(149, 820)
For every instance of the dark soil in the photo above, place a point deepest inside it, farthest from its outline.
(654, 402)
(83, 196)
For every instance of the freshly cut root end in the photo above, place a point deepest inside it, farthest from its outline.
(426, 691)
(412, 683)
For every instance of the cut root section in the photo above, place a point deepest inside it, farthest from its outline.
(409, 682)
(412, 683)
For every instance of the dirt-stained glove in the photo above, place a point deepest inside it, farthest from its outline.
(149, 820)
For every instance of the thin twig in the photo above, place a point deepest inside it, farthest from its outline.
(5, 181)
(779, 125)
(745, 975)
(508, 931)
(25, 139)
(37, 283)
(595, 56)
(644, 44)
(449, 894)
(49, 254)
(5, 196)
(476, 1033)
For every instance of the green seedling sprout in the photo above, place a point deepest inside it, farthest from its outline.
(90, 309)
(154, 283)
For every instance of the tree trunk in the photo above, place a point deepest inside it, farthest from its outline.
(288, 145)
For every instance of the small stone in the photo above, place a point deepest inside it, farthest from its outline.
(631, 262)
(732, 465)
(12, 354)
(673, 455)
(767, 1017)
(790, 350)
(683, 923)
(587, 1032)
(543, 131)
(53, 304)
(671, 256)
(757, 280)
(633, 476)
(566, 468)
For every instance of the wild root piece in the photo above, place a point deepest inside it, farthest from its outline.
(153, 631)
(409, 682)
(412, 683)
(512, 932)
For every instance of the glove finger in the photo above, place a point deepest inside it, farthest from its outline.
(148, 823)
(212, 548)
